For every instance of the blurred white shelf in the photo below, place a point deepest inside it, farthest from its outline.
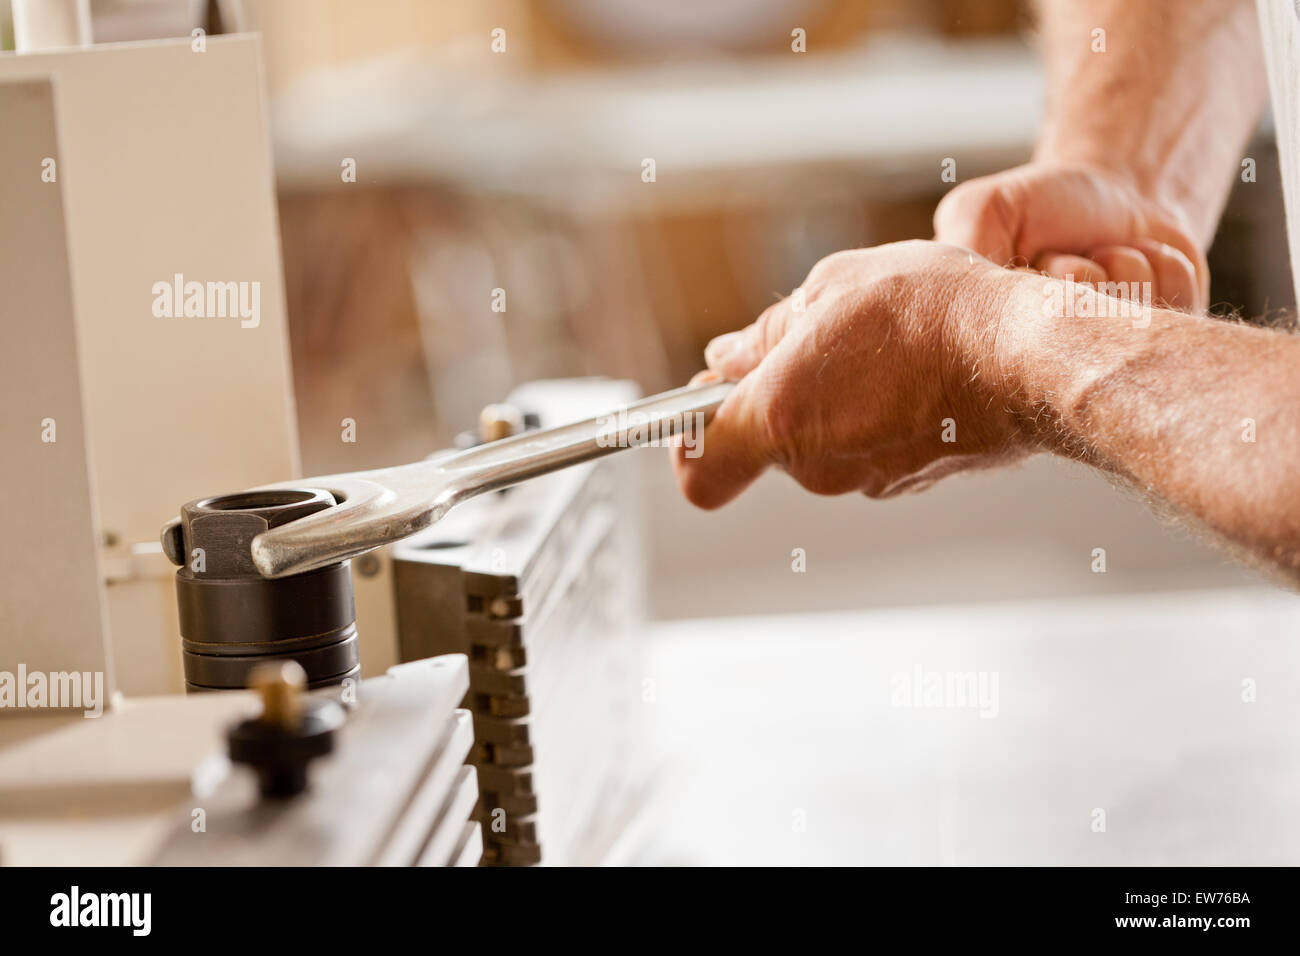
(898, 105)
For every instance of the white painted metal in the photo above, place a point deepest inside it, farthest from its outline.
(51, 592)
(165, 170)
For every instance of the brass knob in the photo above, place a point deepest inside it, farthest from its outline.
(281, 684)
(499, 421)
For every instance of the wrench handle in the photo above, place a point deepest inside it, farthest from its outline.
(682, 411)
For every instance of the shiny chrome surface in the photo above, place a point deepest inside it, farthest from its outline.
(384, 505)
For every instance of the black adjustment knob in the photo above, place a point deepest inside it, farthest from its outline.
(288, 735)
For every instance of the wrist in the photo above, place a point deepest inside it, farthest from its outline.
(1021, 304)
(986, 311)
(1015, 299)
(1061, 346)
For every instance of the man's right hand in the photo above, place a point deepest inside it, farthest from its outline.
(1078, 221)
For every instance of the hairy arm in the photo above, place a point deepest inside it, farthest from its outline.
(1167, 105)
(1149, 105)
(906, 363)
(909, 362)
(1203, 415)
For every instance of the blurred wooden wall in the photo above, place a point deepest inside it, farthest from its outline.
(390, 298)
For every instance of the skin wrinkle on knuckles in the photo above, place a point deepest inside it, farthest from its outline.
(795, 434)
(1175, 274)
(1124, 264)
(1062, 264)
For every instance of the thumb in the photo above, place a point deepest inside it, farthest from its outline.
(730, 454)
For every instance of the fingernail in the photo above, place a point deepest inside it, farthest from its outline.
(717, 351)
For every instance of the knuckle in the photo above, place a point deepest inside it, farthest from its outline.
(777, 424)
(830, 266)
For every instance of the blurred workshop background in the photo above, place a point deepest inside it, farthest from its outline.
(478, 170)
(522, 170)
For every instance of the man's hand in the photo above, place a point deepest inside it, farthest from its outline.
(1148, 107)
(915, 360)
(1077, 221)
(885, 383)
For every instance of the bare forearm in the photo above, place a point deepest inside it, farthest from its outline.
(1202, 414)
(1166, 96)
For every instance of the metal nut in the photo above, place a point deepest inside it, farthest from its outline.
(224, 527)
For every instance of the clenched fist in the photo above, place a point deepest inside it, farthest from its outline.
(881, 376)
(1081, 221)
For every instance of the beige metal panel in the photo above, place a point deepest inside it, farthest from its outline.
(359, 794)
(121, 789)
(105, 792)
(448, 833)
(469, 850)
(146, 749)
(166, 170)
(51, 594)
(435, 799)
